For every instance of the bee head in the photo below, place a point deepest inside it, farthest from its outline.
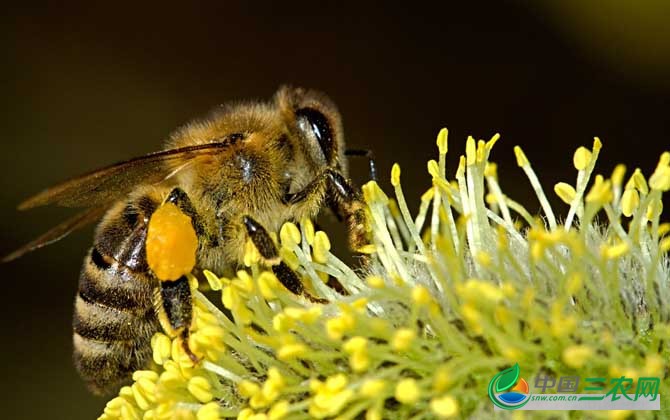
(313, 119)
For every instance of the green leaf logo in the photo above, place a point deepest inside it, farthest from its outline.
(507, 378)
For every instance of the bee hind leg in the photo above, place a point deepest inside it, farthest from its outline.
(175, 311)
(266, 247)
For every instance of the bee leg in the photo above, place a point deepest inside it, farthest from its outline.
(367, 154)
(343, 200)
(266, 247)
(175, 310)
(180, 199)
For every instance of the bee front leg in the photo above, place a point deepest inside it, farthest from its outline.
(266, 247)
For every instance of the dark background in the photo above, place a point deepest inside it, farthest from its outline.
(84, 87)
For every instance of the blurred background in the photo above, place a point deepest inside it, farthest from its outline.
(85, 86)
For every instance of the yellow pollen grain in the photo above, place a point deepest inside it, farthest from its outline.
(565, 192)
(407, 391)
(171, 243)
(445, 406)
(395, 175)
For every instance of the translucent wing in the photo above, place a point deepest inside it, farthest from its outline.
(59, 232)
(108, 184)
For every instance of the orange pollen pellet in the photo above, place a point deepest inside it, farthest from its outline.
(171, 243)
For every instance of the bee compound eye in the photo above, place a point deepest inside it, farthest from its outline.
(315, 125)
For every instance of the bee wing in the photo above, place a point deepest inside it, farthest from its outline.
(107, 184)
(59, 232)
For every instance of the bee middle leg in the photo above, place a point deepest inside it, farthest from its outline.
(266, 247)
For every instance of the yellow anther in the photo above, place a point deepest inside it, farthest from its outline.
(601, 191)
(664, 244)
(460, 171)
(402, 339)
(209, 411)
(470, 151)
(421, 295)
(611, 252)
(308, 229)
(267, 284)
(291, 351)
(160, 344)
(640, 182)
(289, 235)
(248, 388)
(428, 195)
(577, 355)
(321, 247)
(279, 410)
(491, 169)
(484, 259)
(171, 243)
(629, 201)
(444, 407)
(376, 282)
(574, 283)
(581, 158)
(481, 151)
(395, 175)
(213, 280)
(654, 209)
(372, 388)
(492, 142)
(618, 174)
(565, 192)
(664, 160)
(282, 322)
(200, 388)
(660, 179)
(442, 137)
(433, 169)
(407, 391)
(597, 144)
(663, 228)
(521, 158)
(355, 344)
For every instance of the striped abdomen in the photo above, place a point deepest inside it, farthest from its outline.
(114, 316)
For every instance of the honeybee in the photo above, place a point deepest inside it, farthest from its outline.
(235, 175)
